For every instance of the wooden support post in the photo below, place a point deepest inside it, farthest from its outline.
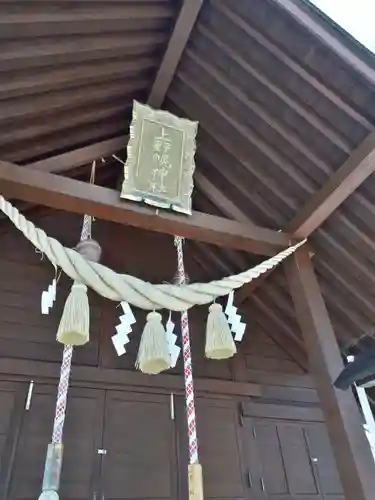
(351, 448)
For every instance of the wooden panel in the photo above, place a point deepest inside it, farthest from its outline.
(306, 412)
(280, 459)
(12, 407)
(290, 394)
(326, 471)
(262, 353)
(24, 332)
(20, 369)
(266, 451)
(81, 438)
(139, 439)
(54, 48)
(217, 426)
(296, 459)
(290, 460)
(271, 364)
(7, 405)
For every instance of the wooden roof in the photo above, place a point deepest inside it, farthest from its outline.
(69, 70)
(283, 97)
(280, 110)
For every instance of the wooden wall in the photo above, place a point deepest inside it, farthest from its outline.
(259, 423)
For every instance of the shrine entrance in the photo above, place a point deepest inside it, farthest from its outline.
(116, 443)
(121, 444)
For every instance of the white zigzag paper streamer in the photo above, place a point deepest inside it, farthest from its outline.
(123, 329)
(234, 319)
(48, 297)
(174, 350)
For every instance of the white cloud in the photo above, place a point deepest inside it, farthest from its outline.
(355, 16)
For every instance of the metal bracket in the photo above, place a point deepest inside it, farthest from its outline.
(240, 414)
(29, 395)
(262, 485)
(172, 406)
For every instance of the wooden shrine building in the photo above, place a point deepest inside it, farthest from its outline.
(285, 102)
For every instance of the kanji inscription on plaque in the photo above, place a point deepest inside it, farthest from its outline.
(160, 164)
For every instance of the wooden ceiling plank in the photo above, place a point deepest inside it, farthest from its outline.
(297, 68)
(349, 442)
(41, 54)
(50, 79)
(304, 111)
(219, 199)
(79, 157)
(177, 43)
(301, 14)
(74, 196)
(286, 133)
(358, 167)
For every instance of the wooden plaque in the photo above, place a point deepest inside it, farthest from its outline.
(160, 159)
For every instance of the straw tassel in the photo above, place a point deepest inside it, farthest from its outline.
(74, 328)
(219, 339)
(153, 354)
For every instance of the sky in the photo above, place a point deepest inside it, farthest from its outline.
(355, 16)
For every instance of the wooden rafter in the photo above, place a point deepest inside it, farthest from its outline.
(177, 43)
(82, 156)
(74, 196)
(358, 167)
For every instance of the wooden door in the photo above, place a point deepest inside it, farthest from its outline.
(12, 407)
(82, 437)
(219, 448)
(323, 460)
(140, 448)
(290, 460)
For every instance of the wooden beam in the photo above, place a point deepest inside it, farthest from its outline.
(359, 166)
(82, 156)
(74, 196)
(353, 456)
(177, 43)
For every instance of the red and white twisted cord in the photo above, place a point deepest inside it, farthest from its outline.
(62, 391)
(188, 370)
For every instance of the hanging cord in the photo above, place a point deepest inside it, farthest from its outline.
(188, 369)
(62, 391)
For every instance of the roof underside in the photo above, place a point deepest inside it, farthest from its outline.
(280, 110)
(69, 70)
